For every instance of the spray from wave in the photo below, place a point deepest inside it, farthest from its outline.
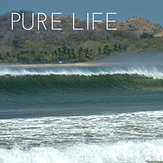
(152, 72)
(149, 72)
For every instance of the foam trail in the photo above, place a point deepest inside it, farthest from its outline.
(147, 144)
(152, 72)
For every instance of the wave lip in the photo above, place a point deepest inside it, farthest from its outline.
(152, 72)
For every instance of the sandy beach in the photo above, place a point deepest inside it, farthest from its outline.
(53, 65)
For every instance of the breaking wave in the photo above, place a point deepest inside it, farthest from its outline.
(79, 79)
(121, 152)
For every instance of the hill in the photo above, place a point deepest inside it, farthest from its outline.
(139, 25)
(135, 34)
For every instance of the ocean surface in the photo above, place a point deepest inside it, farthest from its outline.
(81, 114)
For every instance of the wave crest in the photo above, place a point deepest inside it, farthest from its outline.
(143, 71)
(82, 79)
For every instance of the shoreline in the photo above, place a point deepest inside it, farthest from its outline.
(42, 65)
(93, 63)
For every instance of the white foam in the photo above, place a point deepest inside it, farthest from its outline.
(152, 72)
(121, 152)
(113, 138)
(96, 129)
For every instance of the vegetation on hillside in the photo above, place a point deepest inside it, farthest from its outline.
(133, 35)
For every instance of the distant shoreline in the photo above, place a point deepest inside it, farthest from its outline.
(42, 65)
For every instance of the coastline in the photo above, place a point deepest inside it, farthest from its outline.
(42, 65)
(118, 59)
(48, 65)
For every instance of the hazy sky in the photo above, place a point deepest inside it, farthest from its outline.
(150, 9)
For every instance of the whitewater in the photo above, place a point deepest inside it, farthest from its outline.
(153, 72)
(112, 138)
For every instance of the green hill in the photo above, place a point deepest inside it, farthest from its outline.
(133, 35)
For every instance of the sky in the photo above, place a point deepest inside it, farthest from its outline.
(149, 9)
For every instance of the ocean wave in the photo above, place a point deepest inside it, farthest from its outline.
(121, 138)
(79, 79)
(58, 83)
(91, 129)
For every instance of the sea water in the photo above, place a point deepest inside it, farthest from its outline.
(98, 114)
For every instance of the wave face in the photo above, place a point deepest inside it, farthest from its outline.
(70, 90)
(79, 79)
(113, 138)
